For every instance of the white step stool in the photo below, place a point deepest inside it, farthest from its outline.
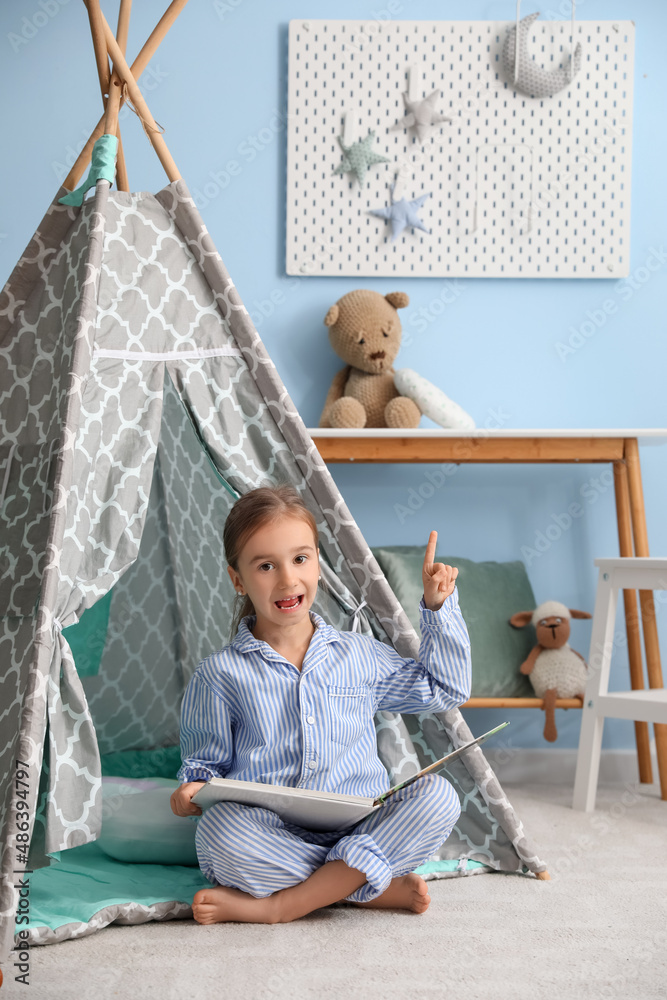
(627, 573)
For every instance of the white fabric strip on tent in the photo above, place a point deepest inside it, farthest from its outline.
(211, 352)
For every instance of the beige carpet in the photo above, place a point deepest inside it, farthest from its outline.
(598, 929)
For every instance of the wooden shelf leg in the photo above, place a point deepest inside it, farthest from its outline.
(647, 604)
(625, 547)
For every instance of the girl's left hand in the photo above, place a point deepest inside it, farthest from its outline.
(439, 580)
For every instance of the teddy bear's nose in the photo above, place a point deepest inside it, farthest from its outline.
(377, 354)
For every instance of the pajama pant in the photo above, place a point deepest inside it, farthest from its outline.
(254, 850)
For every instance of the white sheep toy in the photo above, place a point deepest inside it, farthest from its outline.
(555, 669)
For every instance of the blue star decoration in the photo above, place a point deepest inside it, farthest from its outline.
(421, 116)
(402, 214)
(358, 157)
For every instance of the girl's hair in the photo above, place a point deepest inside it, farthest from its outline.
(252, 511)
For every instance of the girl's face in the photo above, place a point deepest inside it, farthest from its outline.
(278, 569)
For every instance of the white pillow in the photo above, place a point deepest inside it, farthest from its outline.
(432, 401)
(138, 824)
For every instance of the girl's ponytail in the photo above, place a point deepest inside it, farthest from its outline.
(242, 606)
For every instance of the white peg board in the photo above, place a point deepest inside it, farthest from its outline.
(519, 187)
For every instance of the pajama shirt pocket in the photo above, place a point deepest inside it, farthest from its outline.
(349, 713)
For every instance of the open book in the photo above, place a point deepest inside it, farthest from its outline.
(314, 810)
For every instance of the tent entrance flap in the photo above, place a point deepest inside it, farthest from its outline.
(87, 637)
(202, 444)
(173, 606)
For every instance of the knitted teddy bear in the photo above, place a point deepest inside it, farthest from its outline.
(365, 331)
(555, 669)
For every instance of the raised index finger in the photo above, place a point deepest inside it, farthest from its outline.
(430, 552)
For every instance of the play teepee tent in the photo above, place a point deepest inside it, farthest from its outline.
(137, 402)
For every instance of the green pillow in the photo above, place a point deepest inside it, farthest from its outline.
(489, 593)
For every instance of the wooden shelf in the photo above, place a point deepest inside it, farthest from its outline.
(429, 445)
(520, 703)
(383, 445)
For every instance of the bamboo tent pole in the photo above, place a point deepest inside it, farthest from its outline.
(138, 66)
(122, 181)
(101, 57)
(83, 159)
(158, 143)
(111, 114)
(122, 32)
(123, 26)
(97, 31)
(157, 36)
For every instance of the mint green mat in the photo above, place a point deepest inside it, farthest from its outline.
(451, 865)
(86, 880)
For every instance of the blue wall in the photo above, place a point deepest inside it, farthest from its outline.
(216, 85)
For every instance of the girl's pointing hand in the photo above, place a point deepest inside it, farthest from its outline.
(439, 580)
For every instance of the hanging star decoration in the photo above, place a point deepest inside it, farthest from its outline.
(402, 214)
(358, 157)
(421, 115)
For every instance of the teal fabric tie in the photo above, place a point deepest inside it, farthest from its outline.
(102, 167)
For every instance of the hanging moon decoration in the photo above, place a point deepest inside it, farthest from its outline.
(531, 79)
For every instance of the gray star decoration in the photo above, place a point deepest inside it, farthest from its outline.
(421, 115)
(359, 157)
(402, 214)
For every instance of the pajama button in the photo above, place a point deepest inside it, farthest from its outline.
(312, 763)
(311, 719)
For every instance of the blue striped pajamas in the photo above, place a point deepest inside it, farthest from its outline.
(249, 714)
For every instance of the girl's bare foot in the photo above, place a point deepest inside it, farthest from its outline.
(216, 905)
(408, 892)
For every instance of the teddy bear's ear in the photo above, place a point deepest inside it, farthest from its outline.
(521, 618)
(579, 614)
(399, 300)
(331, 316)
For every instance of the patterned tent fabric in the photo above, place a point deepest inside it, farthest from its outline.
(137, 401)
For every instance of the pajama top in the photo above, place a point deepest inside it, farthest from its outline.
(250, 714)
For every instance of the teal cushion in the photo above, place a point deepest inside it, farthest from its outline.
(163, 762)
(489, 593)
(138, 824)
(88, 636)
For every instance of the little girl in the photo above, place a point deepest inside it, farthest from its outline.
(291, 701)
